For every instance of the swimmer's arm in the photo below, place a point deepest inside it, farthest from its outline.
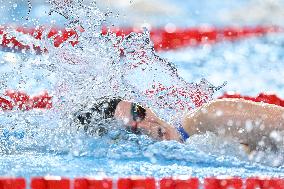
(231, 117)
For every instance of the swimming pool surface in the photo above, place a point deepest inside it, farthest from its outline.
(249, 66)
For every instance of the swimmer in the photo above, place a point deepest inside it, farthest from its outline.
(255, 125)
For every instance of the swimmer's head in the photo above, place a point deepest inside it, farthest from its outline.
(106, 109)
(136, 118)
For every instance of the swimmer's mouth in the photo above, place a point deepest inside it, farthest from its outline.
(133, 129)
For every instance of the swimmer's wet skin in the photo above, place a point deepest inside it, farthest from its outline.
(255, 125)
(258, 125)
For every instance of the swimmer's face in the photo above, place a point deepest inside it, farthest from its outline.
(151, 125)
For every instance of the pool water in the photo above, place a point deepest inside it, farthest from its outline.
(52, 145)
(235, 63)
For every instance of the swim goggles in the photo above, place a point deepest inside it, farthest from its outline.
(138, 112)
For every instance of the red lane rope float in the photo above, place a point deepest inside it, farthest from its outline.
(143, 183)
(262, 97)
(92, 183)
(12, 183)
(19, 100)
(226, 183)
(136, 183)
(179, 183)
(163, 39)
(264, 183)
(50, 183)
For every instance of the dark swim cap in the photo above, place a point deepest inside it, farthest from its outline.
(101, 111)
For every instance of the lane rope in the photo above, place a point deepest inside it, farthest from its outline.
(163, 38)
(19, 100)
(184, 182)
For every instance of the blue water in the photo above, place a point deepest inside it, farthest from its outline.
(249, 66)
(256, 59)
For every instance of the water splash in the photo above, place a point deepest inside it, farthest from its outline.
(98, 66)
(131, 60)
